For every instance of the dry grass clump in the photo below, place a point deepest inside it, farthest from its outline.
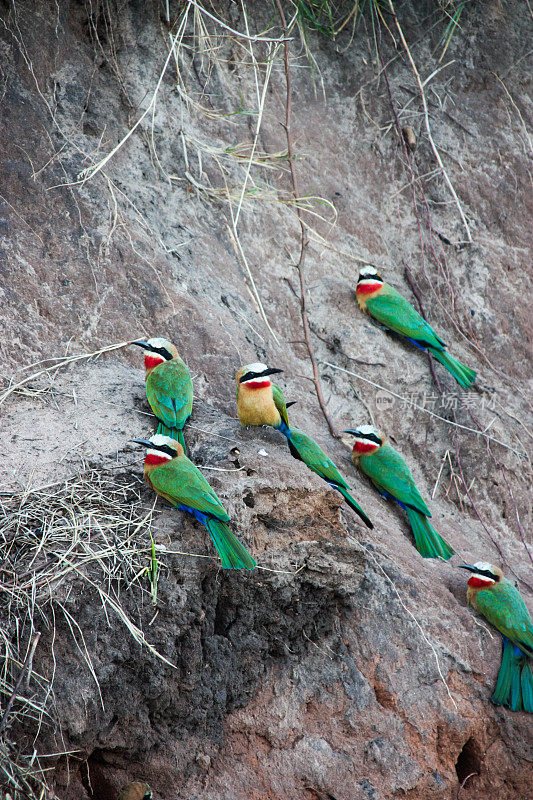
(54, 540)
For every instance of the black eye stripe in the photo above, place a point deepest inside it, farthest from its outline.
(488, 574)
(370, 437)
(249, 375)
(167, 355)
(164, 448)
(374, 276)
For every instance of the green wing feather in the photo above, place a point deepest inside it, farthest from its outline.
(279, 402)
(183, 483)
(387, 470)
(397, 313)
(504, 608)
(315, 458)
(170, 393)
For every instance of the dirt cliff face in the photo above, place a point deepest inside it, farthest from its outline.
(348, 667)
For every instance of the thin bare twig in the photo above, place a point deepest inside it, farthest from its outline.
(227, 27)
(487, 531)
(54, 367)
(426, 120)
(462, 785)
(303, 236)
(411, 281)
(421, 408)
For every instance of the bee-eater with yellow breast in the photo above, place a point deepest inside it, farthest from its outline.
(168, 386)
(173, 476)
(260, 402)
(502, 605)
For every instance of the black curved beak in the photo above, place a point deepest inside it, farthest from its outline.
(141, 343)
(469, 567)
(352, 431)
(271, 371)
(144, 442)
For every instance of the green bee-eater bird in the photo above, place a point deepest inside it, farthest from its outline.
(501, 603)
(173, 476)
(392, 478)
(135, 791)
(168, 386)
(388, 307)
(259, 401)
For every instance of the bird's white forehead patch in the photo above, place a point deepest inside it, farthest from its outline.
(159, 342)
(364, 430)
(159, 439)
(484, 565)
(368, 270)
(256, 367)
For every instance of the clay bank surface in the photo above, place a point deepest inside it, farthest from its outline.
(345, 667)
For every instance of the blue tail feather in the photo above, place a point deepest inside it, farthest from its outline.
(284, 429)
(199, 517)
(416, 344)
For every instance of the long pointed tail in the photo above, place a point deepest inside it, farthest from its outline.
(428, 542)
(514, 687)
(355, 506)
(174, 433)
(232, 553)
(526, 682)
(464, 376)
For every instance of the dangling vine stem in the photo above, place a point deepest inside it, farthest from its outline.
(303, 237)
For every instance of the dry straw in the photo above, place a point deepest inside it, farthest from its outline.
(78, 536)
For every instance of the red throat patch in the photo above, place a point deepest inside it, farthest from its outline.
(479, 583)
(258, 385)
(151, 360)
(154, 459)
(367, 288)
(363, 448)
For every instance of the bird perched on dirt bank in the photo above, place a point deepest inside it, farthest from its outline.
(135, 791)
(502, 605)
(392, 478)
(173, 476)
(388, 307)
(259, 401)
(168, 386)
